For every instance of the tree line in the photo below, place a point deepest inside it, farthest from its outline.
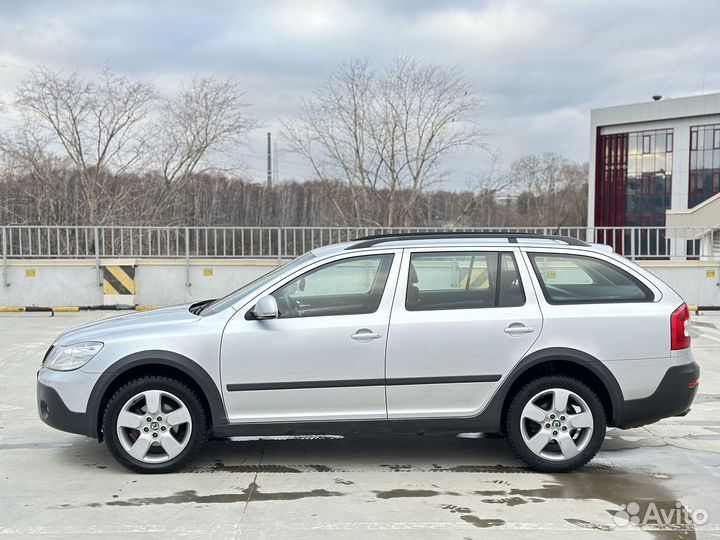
(377, 144)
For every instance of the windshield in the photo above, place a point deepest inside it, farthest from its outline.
(230, 299)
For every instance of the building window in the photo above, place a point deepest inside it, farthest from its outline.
(633, 184)
(633, 178)
(704, 163)
(646, 144)
(695, 184)
(646, 185)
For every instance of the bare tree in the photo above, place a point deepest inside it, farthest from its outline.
(482, 208)
(551, 186)
(98, 126)
(207, 117)
(384, 134)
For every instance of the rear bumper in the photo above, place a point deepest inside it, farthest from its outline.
(53, 411)
(673, 397)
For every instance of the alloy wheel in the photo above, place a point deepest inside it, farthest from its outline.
(556, 424)
(154, 426)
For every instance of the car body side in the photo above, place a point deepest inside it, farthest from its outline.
(622, 348)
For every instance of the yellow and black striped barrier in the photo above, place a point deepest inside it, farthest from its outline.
(119, 280)
(72, 309)
(146, 308)
(41, 309)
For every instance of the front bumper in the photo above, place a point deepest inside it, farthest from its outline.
(673, 397)
(63, 400)
(54, 412)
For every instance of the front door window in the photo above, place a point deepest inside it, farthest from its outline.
(351, 286)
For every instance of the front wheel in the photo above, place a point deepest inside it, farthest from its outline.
(556, 424)
(154, 424)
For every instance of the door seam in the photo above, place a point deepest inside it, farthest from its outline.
(387, 331)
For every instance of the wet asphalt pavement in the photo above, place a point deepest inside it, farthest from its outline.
(58, 485)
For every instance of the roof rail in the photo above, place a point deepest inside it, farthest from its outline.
(369, 241)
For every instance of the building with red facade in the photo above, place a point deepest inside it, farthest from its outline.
(655, 164)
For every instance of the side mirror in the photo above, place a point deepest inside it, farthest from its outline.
(266, 308)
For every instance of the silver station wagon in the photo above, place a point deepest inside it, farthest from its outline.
(544, 339)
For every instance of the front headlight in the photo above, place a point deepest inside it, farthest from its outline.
(73, 356)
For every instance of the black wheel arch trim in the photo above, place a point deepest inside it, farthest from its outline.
(157, 357)
(582, 359)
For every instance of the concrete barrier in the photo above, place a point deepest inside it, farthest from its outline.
(73, 282)
(698, 282)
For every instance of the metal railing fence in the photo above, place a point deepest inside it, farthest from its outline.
(102, 242)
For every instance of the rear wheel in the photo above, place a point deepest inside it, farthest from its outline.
(154, 424)
(556, 424)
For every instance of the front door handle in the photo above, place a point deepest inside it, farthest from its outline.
(517, 329)
(365, 335)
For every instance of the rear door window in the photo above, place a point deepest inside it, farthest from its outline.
(462, 280)
(577, 279)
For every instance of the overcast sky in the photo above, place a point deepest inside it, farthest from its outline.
(539, 65)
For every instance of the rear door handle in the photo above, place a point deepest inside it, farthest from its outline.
(365, 335)
(516, 329)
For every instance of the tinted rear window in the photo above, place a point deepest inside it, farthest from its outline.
(576, 279)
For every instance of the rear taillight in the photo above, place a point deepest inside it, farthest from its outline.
(680, 328)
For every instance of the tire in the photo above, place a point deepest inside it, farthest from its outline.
(552, 439)
(154, 424)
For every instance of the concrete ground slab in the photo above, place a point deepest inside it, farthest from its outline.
(58, 485)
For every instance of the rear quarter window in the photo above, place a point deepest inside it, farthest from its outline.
(578, 279)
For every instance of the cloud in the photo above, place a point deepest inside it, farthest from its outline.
(540, 65)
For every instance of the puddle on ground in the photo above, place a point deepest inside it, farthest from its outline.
(596, 481)
(252, 493)
(614, 486)
(255, 468)
(458, 468)
(305, 468)
(587, 525)
(618, 442)
(616, 489)
(467, 516)
(513, 501)
(402, 493)
(482, 523)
